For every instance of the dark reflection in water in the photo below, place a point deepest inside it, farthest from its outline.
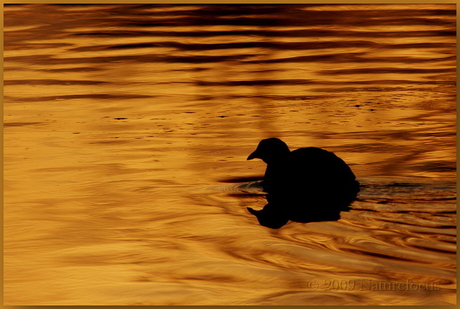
(126, 133)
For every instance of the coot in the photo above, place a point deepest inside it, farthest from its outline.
(305, 185)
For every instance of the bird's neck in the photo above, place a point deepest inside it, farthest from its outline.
(279, 159)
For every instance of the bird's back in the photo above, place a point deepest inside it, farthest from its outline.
(318, 165)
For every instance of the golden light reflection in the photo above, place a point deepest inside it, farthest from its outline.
(126, 138)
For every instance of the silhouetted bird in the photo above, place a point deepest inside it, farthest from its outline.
(305, 185)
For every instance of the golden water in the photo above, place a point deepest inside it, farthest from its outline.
(126, 133)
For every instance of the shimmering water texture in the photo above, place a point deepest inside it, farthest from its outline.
(127, 129)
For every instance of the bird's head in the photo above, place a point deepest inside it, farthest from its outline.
(270, 149)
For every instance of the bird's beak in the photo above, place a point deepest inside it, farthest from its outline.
(252, 211)
(253, 155)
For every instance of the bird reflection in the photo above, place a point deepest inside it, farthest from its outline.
(305, 185)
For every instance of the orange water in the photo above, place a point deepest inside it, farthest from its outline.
(126, 133)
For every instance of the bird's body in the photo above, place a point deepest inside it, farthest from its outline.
(308, 170)
(307, 184)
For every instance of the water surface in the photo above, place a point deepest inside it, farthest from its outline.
(127, 129)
